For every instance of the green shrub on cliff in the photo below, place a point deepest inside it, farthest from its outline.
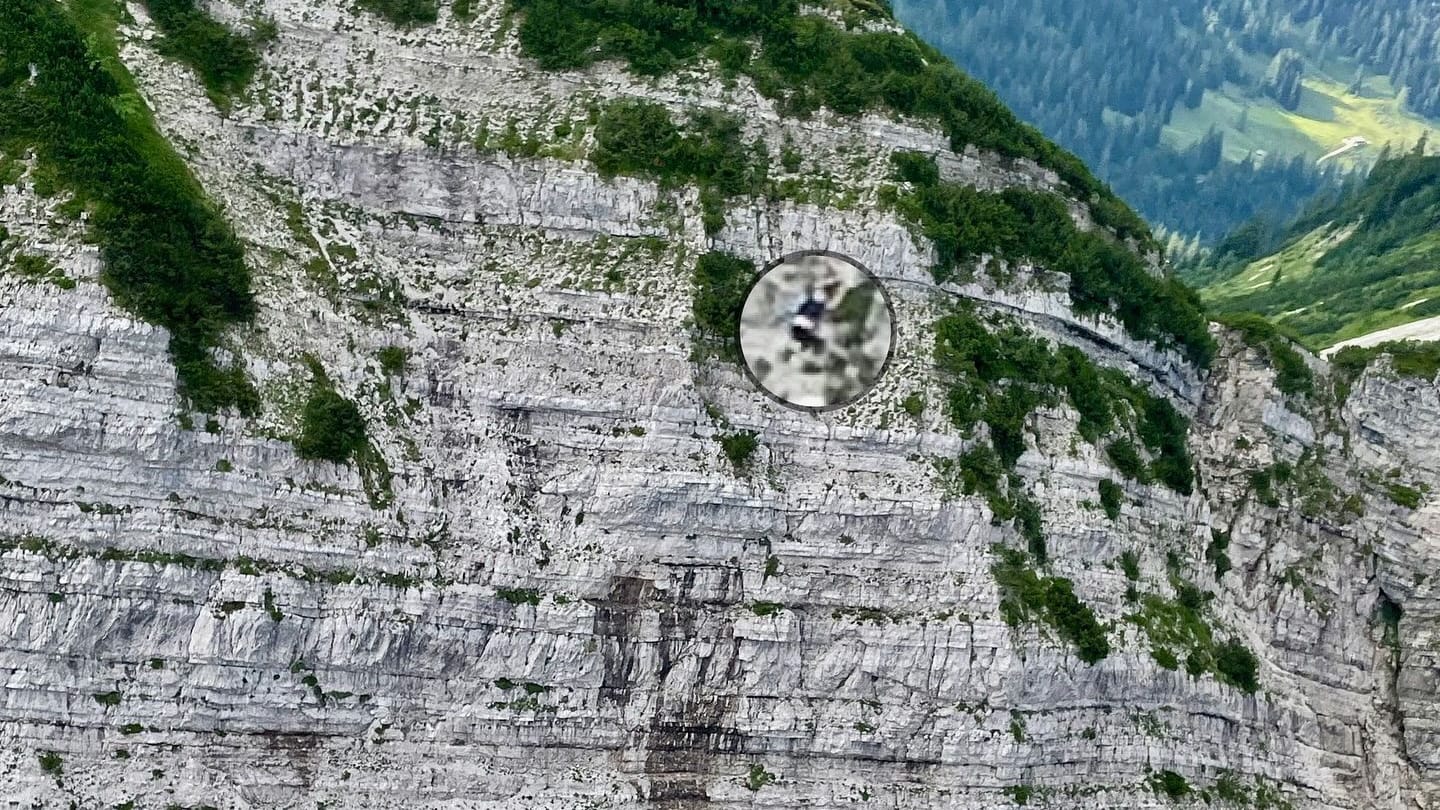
(721, 281)
(739, 447)
(406, 13)
(965, 223)
(1026, 596)
(1236, 665)
(1408, 358)
(1181, 626)
(805, 61)
(167, 254)
(998, 373)
(225, 60)
(1111, 498)
(1292, 375)
(635, 137)
(333, 429)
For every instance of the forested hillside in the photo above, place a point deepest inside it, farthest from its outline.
(1208, 112)
(1366, 260)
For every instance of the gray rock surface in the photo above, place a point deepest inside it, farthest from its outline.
(562, 606)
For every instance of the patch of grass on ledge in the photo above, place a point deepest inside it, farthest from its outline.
(1402, 495)
(766, 608)
(35, 269)
(168, 255)
(519, 596)
(332, 429)
(246, 566)
(409, 13)
(225, 60)
(1180, 626)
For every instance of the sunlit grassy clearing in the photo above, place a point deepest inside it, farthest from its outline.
(1327, 116)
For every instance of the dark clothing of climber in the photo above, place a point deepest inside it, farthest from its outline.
(805, 326)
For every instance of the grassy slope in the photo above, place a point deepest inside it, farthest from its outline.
(1297, 261)
(1372, 263)
(1280, 286)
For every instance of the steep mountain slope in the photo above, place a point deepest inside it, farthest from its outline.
(1364, 262)
(450, 495)
(1217, 110)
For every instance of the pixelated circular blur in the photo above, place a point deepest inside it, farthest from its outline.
(816, 330)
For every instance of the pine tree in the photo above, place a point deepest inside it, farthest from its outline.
(1282, 79)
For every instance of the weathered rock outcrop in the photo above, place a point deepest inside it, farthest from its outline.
(573, 598)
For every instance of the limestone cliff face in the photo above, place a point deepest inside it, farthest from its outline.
(573, 598)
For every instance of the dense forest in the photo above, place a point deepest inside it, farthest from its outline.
(1399, 38)
(1104, 78)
